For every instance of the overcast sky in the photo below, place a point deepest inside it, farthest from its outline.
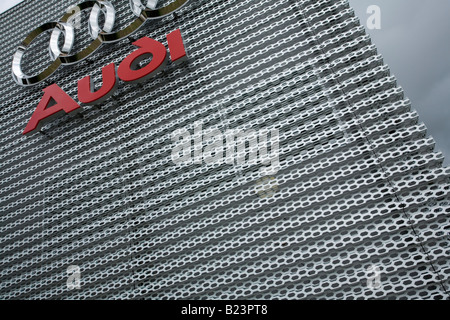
(6, 4)
(414, 41)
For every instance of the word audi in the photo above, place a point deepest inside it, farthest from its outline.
(235, 146)
(55, 101)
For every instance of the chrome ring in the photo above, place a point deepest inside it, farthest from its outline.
(69, 39)
(108, 10)
(18, 75)
(100, 36)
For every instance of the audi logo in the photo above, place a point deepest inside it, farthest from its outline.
(61, 56)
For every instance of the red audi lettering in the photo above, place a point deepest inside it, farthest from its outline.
(176, 46)
(86, 87)
(45, 112)
(129, 70)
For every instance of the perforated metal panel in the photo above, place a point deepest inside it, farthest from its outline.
(359, 184)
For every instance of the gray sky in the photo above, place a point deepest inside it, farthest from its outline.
(414, 41)
(6, 4)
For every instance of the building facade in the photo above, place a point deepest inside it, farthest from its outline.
(145, 196)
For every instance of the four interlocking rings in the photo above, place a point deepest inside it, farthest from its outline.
(100, 35)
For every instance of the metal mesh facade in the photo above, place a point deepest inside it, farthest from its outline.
(359, 182)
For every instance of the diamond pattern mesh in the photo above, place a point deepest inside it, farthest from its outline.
(359, 182)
